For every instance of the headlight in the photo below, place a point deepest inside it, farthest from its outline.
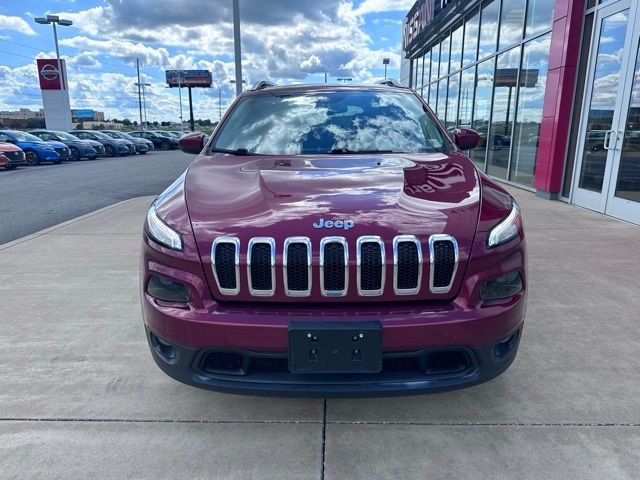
(162, 233)
(507, 229)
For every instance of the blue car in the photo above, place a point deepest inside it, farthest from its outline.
(36, 151)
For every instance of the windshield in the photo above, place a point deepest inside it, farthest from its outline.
(330, 122)
(101, 135)
(26, 137)
(111, 134)
(65, 136)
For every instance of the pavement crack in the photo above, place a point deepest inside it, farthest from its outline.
(162, 420)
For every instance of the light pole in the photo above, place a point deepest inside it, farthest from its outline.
(385, 62)
(53, 20)
(144, 102)
(344, 79)
(236, 45)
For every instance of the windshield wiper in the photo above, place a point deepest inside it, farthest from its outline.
(337, 151)
(237, 151)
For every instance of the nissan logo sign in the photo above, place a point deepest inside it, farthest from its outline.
(49, 72)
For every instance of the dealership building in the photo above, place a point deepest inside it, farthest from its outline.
(552, 86)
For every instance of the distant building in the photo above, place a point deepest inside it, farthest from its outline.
(22, 114)
(97, 125)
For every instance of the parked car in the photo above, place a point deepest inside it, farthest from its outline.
(142, 145)
(79, 148)
(160, 140)
(35, 150)
(11, 156)
(112, 146)
(347, 247)
(176, 134)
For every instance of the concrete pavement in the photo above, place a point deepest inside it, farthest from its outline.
(80, 395)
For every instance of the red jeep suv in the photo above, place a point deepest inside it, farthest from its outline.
(333, 241)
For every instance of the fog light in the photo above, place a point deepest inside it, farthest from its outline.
(164, 289)
(504, 347)
(502, 287)
(163, 348)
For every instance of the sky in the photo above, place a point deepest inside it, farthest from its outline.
(285, 41)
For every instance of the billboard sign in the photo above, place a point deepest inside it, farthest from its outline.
(82, 114)
(49, 74)
(188, 78)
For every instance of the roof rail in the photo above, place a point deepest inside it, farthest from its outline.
(389, 82)
(262, 84)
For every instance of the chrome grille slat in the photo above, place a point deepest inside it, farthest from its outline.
(339, 270)
(261, 271)
(435, 263)
(296, 268)
(371, 270)
(399, 262)
(218, 262)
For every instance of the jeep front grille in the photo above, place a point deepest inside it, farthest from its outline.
(261, 261)
(297, 265)
(225, 260)
(443, 257)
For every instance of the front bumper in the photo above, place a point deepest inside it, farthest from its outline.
(11, 159)
(403, 373)
(142, 147)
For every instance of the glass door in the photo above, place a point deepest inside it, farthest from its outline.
(624, 188)
(603, 104)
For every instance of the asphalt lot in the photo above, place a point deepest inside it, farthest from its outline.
(80, 395)
(34, 198)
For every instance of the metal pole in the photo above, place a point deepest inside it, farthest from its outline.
(55, 38)
(191, 109)
(385, 70)
(236, 44)
(325, 77)
(139, 92)
(180, 95)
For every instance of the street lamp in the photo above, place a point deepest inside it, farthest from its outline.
(344, 79)
(144, 103)
(53, 20)
(385, 62)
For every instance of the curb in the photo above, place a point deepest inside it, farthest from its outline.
(18, 241)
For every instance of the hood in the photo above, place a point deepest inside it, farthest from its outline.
(9, 147)
(92, 143)
(385, 195)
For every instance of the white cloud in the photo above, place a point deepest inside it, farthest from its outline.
(16, 24)
(377, 6)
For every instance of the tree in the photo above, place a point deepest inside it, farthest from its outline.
(126, 122)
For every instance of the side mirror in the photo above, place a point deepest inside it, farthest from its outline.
(465, 138)
(192, 142)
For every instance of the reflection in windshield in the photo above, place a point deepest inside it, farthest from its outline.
(304, 123)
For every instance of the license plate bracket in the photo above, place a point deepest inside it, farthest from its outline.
(335, 347)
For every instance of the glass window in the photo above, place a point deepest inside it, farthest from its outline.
(456, 49)
(435, 62)
(427, 66)
(326, 121)
(442, 98)
(533, 79)
(466, 97)
(482, 109)
(502, 113)
(452, 101)
(433, 96)
(511, 22)
(488, 28)
(414, 73)
(444, 57)
(539, 16)
(471, 39)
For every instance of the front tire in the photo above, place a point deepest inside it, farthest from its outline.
(143, 153)
(32, 158)
(109, 151)
(164, 146)
(75, 154)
